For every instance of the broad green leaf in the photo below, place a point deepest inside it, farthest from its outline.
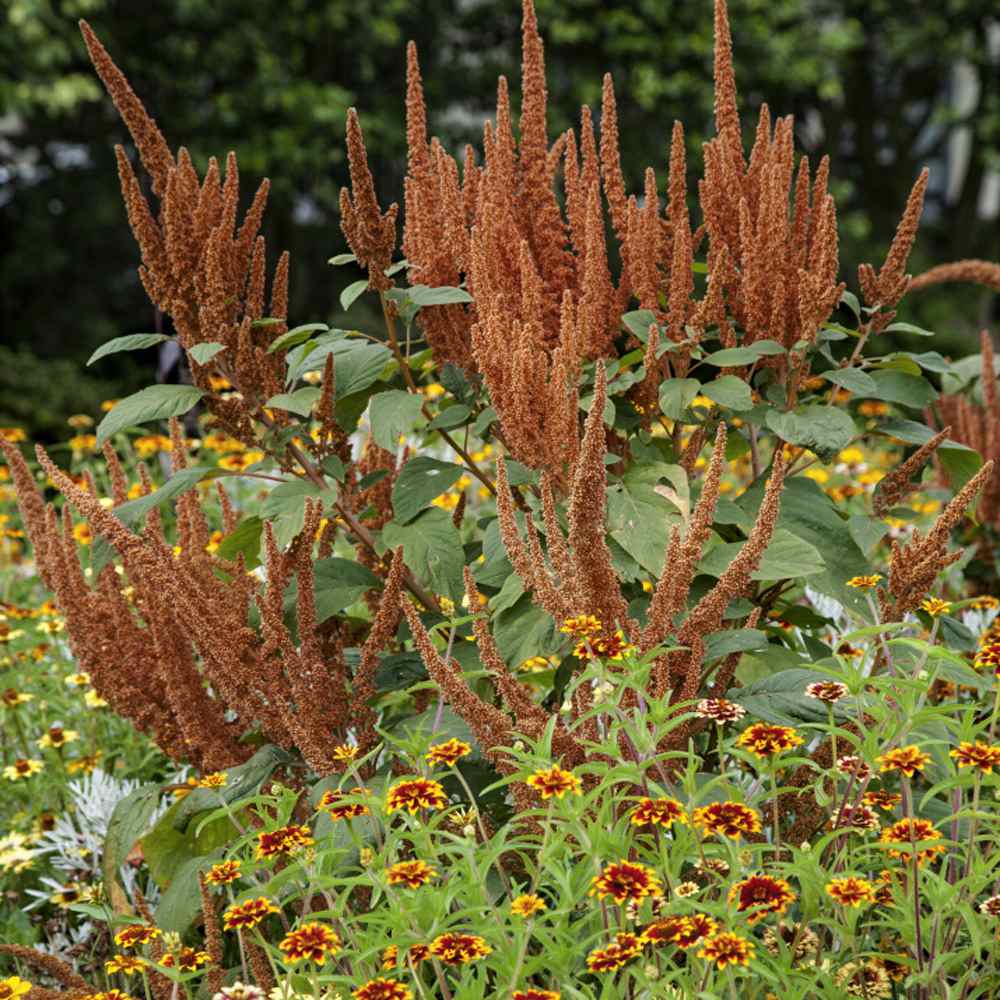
(338, 584)
(960, 462)
(426, 295)
(180, 902)
(393, 415)
(453, 416)
(639, 518)
(786, 557)
(418, 483)
(900, 387)
(130, 342)
(203, 353)
(850, 300)
(398, 671)
(866, 531)
(730, 357)
(676, 396)
(357, 363)
(301, 401)
(180, 482)
(524, 631)
(940, 661)
(736, 640)
(297, 336)
(729, 391)
(781, 699)
(155, 402)
(852, 379)
(352, 292)
(129, 821)
(432, 548)
(823, 429)
(245, 539)
(285, 506)
(638, 323)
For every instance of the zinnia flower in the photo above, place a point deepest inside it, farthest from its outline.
(187, 959)
(855, 818)
(383, 989)
(626, 946)
(725, 949)
(991, 906)
(854, 767)
(453, 948)
(136, 934)
(880, 799)
(764, 740)
(865, 582)
(248, 914)
(127, 965)
(414, 794)
(761, 895)
(240, 991)
(727, 819)
(284, 840)
(217, 779)
(934, 606)
(626, 880)
(982, 756)
(534, 994)
(683, 931)
(906, 832)
(554, 782)
(907, 760)
(448, 753)
(527, 905)
(869, 980)
(224, 873)
(338, 805)
(581, 626)
(657, 812)
(720, 710)
(413, 874)
(851, 891)
(312, 941)
(827, 691)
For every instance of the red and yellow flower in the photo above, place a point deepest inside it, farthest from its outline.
(453, 948)
(765, 741)
(851, 891)
(982, 756)
(412, 874)
(626, 881)
(657, 812)
(223, 873)
(760, 895)
(248, 913)
(727, 948)
(414, 794)
(907, 832)
(343, 805)
(906, 760)
(554, 782)
(683, 931)
(284, 840)
(312, 942)
(383, 989)
(447, 754)
(727, 819)
(612, 957)
(527, 905)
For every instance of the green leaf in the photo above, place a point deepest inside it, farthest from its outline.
(357, 363)
(823, 429)
(638, 323)
(351, 293)
(453, 416)
(203, 353)
(128, 823)
(425, 295)
(301, 401)
(297, 336)
(393, 415)
(781, 700)
(729, 391)
(285, 506)
(432, 548)
(155, 402)
(180, 482)
(523, 631)
(850, 300)
(245, 539)
(730, 357)
(736, 640)
(939, 661)
(908, 328)
(418, 483)
(180, 902)
(900, 387)
(786, 557)
(960, 462)
(338, 583)
(639, 518)
(866, 531)
(852, 379)
(131, 342)
(398, 671)
(342, 258)
(676, 396)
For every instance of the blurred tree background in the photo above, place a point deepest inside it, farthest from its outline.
(883, 86)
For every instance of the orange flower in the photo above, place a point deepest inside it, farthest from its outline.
(614, 956)
(284, 840)
(344, 753)
(934, 606)
(534, 994)
(657, 812)
(727, 948)
(581, 626)
(988, 656)
(851, 891)
(907, 832)
(865, 582)
(764, 740)
(527, 905)
(187, 959)
(383, 989)
(414, 794)
(681, 931)
(312, 941)
(907, 760)
(338, 805)
(127, 965)
(136, 934)
(761, 895)
(248, 914)
(982, 756)
(626, 881)
(411, 873)
(224, 873)
(880, 799)
(453, 948)
(448, 753)
(727, 819)
(554, 782)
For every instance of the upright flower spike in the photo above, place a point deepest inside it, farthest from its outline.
(370, 233)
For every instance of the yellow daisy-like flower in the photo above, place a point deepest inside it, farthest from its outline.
(57, 737)
(249, 913)
(626, 881)
(11, 698)
(907, 760)
(93, 700)
(412, 874)
(727, 819)
(382, 989)
(13, 987)
(934, 606)
(765, 741)
(414, 794)
(657, 812)
(554, 782)
(454, 948)
(760, 895)
(344, 753)
(865, 582)
(581, 626)
(449, 753)
(982, 756)
(614, 956)
(127, 965)
(311, 942)
(187, 959)
(217, 779)
(86, 764)
(284, 840)
(135, 935)
(223, 873)
(907, 832)
(81, 679)
(22, 769)
(851, 891)
(725, 949)
(527, 905)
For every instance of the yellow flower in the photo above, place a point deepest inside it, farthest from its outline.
(554, 782)
(907, 760)
(934, 606)
(128, 965)
(865, 582)
(217, 779)
(58, 737)
(93, 700)
(13, 987)
(82, 533)
(81, 679)
(851, 891)
(527, 905)
(80, 421)
(22, 769)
